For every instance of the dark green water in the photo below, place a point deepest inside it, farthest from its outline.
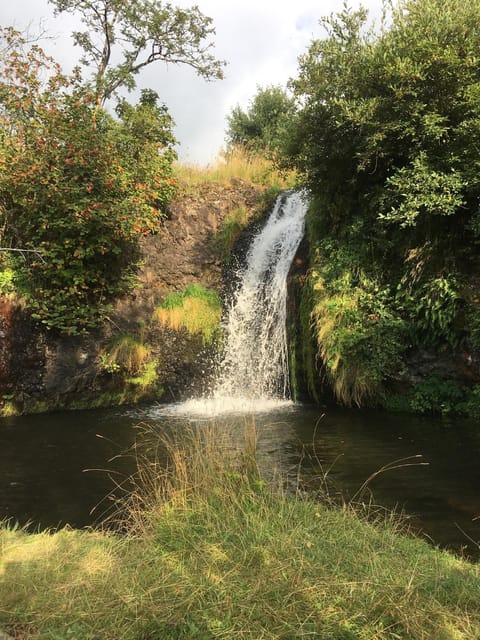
(66, 468)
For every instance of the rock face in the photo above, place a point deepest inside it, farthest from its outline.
(41, 372)
(183, 251)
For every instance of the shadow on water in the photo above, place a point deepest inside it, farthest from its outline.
(57, 469)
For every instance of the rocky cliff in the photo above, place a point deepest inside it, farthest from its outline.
(40, 371)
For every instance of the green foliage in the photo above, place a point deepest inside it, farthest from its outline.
(196, 309)
(359, 337)
(387, 141)
(121, 38)
(471, 404)
(7, 281)
(143, 138)
(261, 127)
(434, 395)
(438, 396)
(418, 190)
(76, 187)
(433, 307)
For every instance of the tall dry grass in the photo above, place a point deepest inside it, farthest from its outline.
(127, 352)
(237, 164)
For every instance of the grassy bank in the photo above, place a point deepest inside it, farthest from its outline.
(212, 551)
(235, 165)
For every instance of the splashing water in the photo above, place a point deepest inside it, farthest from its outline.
(253, 375)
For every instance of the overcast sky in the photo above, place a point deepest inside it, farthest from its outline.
(260, 40)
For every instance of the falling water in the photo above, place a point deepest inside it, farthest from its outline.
(255, 364)
(253, 374)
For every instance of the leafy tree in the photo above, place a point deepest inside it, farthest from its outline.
(260, 127)
(387, 139)
(139, 32)
(70, 189)
(143, 138)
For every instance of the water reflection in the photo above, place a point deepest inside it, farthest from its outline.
(44, 462)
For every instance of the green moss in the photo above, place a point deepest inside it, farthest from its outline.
(8, 409)
(100, 400)
(304, 379)
(309, 356)
(7, 281)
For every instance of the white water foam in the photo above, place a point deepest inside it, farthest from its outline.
(220, 406)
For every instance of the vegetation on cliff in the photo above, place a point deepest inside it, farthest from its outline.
(261, 127)
(386, 138)
(78, 186)
(195, 309)
(209, 550)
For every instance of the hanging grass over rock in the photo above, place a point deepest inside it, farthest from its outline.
(196, 309)
(359, 335)
(209, 550)
(127, 353)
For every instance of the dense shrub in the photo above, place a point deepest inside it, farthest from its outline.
(75, 192)
(387, 141)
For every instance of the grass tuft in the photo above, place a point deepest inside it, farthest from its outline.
(196, 309)
(230, 231)
(128, 353)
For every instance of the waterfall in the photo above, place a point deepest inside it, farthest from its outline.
(253, 373)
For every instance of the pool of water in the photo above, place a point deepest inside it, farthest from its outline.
(71, 468)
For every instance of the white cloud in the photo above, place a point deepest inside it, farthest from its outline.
(261, 42)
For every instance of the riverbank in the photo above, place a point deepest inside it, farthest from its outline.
(210, 550)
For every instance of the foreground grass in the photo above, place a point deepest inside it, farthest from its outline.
(213, 552)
